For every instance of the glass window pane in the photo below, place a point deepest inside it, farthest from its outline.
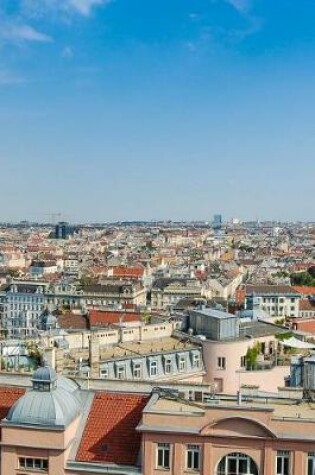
(160, 458)
(167, 458)
(242, 466)
(196, 460)
(236, 464)
(232, 464)
(285, 466)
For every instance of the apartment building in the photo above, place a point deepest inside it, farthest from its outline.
(21, 306)
(166, 359)
(227, 342)
(23, 302)
(166, 292)
(103, 432)
(227, 436)
(276, 300)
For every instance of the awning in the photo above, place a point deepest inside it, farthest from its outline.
(295, 343)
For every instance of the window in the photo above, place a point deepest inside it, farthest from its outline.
(193, 457)
(283, 462)
(121, 372)
(153, 368)
(221, 362)
(196, 360)
(311, 463)
(243, 361)
(137, 371)
(168, 366)
(104, 373)
(181, 363)
(30, 464)
(163, 455)
(237, 464)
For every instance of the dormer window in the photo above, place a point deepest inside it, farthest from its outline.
(44, 386)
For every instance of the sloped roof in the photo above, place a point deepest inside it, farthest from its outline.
(303, 289)
(295, 343)
(132, 272)
(73, 321)
(306, 304)
(271, 290)
(110, 434)
(8, 396)
(105, 317)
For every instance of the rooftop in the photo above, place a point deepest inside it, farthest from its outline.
(210, 312)
(271, 290)
(280, 407)
(8, 396)
(103, 318)
(160, 345)
(110, 433)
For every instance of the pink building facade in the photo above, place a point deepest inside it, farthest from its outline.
(57, 429)
(226, 438)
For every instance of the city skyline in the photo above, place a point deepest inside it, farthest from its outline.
(112, 112)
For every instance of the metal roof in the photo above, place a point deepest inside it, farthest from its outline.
(55, 408)
(51, 402)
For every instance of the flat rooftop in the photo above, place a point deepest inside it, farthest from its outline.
(281, 408)
(257, 329)
(161, 345)
(213, 313)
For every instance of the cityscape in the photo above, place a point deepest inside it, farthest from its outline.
(108, 328)
(157, 237)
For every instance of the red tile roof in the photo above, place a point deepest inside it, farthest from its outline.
(304, 325)
(303, 289)
(110, 434)
(103, 318)
(127, 272)
(306, 305)
(8, 396)
(73, 321)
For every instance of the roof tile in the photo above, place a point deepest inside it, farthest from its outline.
(110, 433)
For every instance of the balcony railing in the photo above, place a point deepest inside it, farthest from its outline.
(268, 364)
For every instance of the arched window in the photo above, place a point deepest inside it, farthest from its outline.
(237, 464)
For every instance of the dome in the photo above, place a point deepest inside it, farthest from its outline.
(68, 385)
(44, 374)
(51, 402)
(49, 320)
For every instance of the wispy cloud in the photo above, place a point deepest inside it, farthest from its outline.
(242, 6)
(8, 78)
(245, 9)
(21, 32)
(39, 8)
(84, 7)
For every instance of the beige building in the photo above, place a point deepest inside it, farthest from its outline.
(166, 292)
(276, 300)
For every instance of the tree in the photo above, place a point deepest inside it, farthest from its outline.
(252, 355)
(302, 278)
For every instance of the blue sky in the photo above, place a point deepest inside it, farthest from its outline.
(169, 109)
